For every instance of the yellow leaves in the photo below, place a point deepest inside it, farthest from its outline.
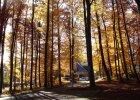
(40, 12)
(98, 7)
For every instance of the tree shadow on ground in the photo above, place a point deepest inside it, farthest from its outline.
(69, 93)
(103, 91)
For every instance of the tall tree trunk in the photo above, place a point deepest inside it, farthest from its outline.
(2, 38)
(46, 46)
(101, 48)
(115, 54)
(12, 54)
(26, 68)
(59, 47)
(39, 36)
(36, 59)
(87, 21)
(11, 61)
(72, 43)
(21, 61)
(107, 48)
(70, 64)
(15, 67)
(51, 66)
(32, 43)
(72, 58)
(23, 53)
(2, 55)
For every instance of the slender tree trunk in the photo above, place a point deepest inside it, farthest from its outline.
(36, 60)
(72, 44)
(39, 36)
(32, 43)
(2, 55)
(107, 48)
(46, 46)
(70, 64)
(26, 68)
(2, 38)
(115, 55)
(15, 74)
(22, 55)
(11, 58)
(25, 51)
(11, 61)
(101, 48)
(72, 59)
(51, 67)
(59, 47)
(87, 20)
(21, 63)
(59, 56)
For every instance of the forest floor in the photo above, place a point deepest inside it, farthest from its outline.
(80, 91)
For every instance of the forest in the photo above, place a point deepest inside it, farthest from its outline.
(41, 41)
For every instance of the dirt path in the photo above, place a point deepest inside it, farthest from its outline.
(81, 91)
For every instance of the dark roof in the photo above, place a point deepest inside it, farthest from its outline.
(81, 68)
